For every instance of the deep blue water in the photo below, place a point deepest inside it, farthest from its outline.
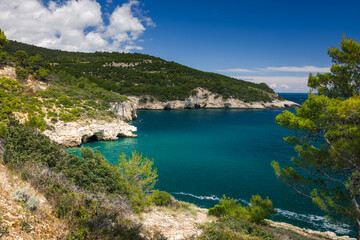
(202, 154)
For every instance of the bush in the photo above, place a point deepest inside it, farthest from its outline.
(21, 73)
(32, 203)
(230, 228)
(139, 176)
(161, 198)
(21, 195)
(258, 210)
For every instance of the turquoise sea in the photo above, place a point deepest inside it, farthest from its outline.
(202, 154)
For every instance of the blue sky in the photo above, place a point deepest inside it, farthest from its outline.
(277, 42)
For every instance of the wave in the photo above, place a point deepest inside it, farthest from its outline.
(318, 223)
(212, 197)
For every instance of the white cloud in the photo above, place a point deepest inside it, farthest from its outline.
(236, 70)
(75, 25)
(297, 69)
(277, 69)
(280, 83)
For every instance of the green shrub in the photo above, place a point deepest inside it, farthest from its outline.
(139, 176)
(21, 73)
(230, 228)
(258, 210)
(161, 198)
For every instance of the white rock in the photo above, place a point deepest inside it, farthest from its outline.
(206, 99)
(73, 134)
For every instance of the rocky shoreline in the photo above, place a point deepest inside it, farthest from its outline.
(205, 99)
(73, 134)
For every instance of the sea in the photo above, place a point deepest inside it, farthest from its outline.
(203, 154)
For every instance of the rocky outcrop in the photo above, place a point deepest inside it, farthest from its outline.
(206, 99)
(74, 134)
(124, 110)
(31, 85)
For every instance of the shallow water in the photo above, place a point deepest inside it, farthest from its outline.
(202, 154)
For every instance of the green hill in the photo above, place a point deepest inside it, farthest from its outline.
(135, 74)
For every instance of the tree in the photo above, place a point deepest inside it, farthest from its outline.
(327, 139)
(139, 176)
(3, 40)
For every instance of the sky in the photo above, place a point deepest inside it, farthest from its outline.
(276, 42)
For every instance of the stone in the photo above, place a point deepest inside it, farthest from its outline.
(206, 99)
(73, 134)
(124, 110)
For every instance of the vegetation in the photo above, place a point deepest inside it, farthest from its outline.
(328, 138)
(95, 197)
(66, 97)
(139, 75)
(256, 212)
(161, 198)
(239, 222)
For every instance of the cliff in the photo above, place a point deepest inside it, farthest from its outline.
(73, 134)
(203, 98)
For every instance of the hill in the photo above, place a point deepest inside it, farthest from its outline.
(135, 74)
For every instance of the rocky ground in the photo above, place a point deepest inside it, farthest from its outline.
(174, 223)
(16, 220)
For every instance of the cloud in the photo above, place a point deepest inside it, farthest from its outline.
(280, 83)
(297, 69)
(236, 70)
(277, 69)
(74, 25)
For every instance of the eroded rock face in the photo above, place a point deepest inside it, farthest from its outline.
(73, 134)
(206, 99)
(31, 85)
(124, 110)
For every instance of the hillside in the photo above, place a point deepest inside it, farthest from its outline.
(135, 74)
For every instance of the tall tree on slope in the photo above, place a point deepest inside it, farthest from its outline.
(327, 139)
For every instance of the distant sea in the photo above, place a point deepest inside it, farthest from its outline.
(202, 154)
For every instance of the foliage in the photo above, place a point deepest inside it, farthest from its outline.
(139, 176)
(328, 138)
(256, 212)
(3, 40)
(260, 209)
(230, 228)
(139, 74)
(87, 191)
(161, 198)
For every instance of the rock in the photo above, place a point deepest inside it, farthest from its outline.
(168, 106)
(73, 134)
(124, 110)
(206, 99)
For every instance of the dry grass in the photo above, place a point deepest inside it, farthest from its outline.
(17, 221)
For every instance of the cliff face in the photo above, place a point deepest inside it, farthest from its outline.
(73, 134)
(206, 99)
(124, 110)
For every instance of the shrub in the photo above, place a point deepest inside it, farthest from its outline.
(139, 176)
(21, 195)
(21, 73)
(32, 203)
(258, 210)
(161, 198)
(230, 228)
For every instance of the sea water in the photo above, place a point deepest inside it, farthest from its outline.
(203, 154)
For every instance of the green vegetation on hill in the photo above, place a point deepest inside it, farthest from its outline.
(139, 74)
(65, 98)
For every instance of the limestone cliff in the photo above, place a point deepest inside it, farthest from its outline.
(124, 110)
(206, 99)
(73, 134)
